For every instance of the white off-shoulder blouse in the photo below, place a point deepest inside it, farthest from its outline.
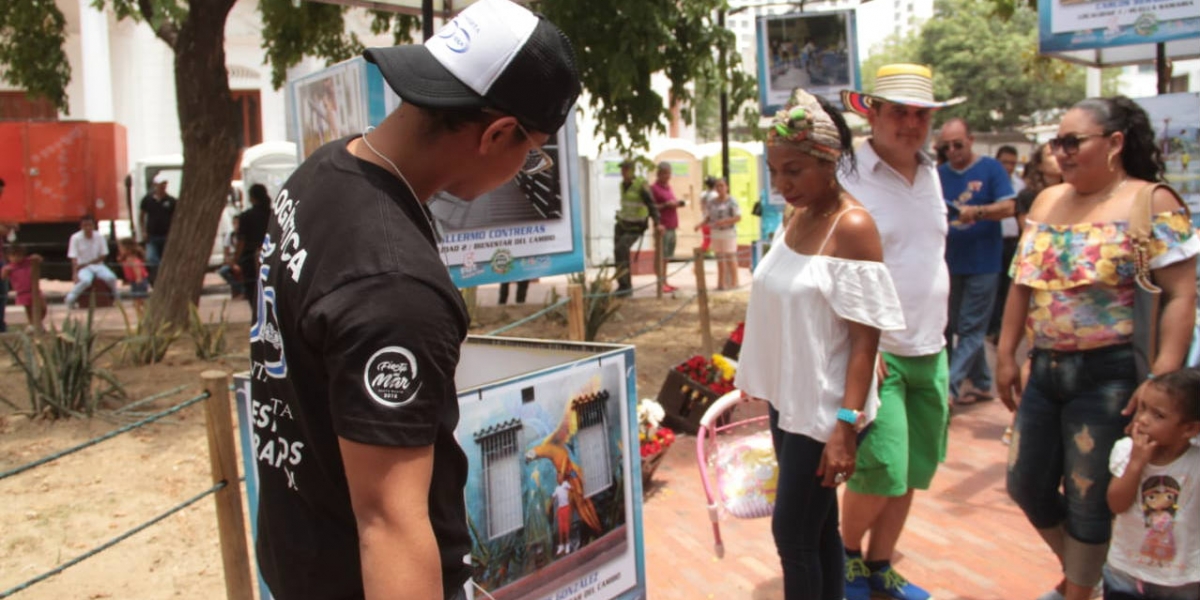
(797, 337)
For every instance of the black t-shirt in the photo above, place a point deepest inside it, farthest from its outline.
(252, 228)
(1024, 201)
(158, 214)
(358, 336)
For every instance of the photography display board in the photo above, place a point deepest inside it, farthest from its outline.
(529, 227)
(816, 51)
(1176, 121)
(1118, 32)
(535, 414)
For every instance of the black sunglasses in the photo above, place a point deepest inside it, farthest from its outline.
(958, 145)
(1069, 144)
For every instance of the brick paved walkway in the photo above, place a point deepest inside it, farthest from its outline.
(965, 538)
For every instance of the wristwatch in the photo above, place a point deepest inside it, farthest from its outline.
(855, 418)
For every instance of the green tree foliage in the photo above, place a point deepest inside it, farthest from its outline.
(991, 60)
(32, 34)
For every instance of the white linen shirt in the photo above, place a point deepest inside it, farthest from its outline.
(85, 250)
(912, 225)
(796, 348)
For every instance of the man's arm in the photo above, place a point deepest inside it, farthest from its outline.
(389, 491)
(648, 200)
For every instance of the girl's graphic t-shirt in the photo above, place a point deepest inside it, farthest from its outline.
(1158, 539)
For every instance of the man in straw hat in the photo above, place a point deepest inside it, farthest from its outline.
(899, 185)
(361, 480)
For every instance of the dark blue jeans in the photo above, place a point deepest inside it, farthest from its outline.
(1069, 419)
(971, 300)
(805, 521)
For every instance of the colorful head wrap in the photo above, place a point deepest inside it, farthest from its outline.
(803, 124)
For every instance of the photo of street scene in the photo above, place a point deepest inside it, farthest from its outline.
(807, 51)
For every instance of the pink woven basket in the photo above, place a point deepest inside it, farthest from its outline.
(737, 461)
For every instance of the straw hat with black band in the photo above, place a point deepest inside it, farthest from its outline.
(907, 84)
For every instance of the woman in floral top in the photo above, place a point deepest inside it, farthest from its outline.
(1073, 288)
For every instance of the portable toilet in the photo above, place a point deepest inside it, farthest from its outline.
(603, 201)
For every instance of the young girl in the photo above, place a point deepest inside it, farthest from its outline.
(19, 273)
(1155, 493)
(133, 261)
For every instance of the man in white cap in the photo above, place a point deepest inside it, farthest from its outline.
(361, 480)
(899, 185)
(157, 208)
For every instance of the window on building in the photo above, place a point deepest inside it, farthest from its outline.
(592, 440)
(502, 475)
(1178, 85)
(16, 106)
(249, 105)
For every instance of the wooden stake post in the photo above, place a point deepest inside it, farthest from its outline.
(660, 271)
(706, 338)
(575, 308)
(235, 555)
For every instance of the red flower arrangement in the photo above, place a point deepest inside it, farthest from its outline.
(661, 440)
(738, 333)
(716, 375)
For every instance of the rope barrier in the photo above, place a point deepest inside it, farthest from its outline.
(114, 541)
(531, 317)
(642, 287)
(149, 399)
(661, 322)
(92, 442)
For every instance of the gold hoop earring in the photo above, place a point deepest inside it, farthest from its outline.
(1110, 162)
(833, 184)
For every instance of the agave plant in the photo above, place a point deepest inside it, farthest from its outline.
(209, 338)
(62, 371)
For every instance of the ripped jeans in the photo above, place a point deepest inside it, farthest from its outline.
(1069, 419)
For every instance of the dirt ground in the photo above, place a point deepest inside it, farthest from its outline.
(56, 512)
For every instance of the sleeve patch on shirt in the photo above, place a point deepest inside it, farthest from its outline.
(391, 377)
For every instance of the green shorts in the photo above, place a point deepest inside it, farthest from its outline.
(907, 440)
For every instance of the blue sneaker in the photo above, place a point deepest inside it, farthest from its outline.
(889, 583)
(858, 586)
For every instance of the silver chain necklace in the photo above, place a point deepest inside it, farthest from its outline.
(437, 233)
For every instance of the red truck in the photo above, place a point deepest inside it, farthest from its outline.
(55, 172)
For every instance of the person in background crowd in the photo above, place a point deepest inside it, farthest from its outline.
(898, 185)
(708, 195)
(18, 274)
(522, 290)
(668, 205)
(722, 215)
(133, 262)
(979, 194)
(1010, 230)
(157, 209)
(230, 271)
(87, 250)
(637, 206)
(817, 304)
(1041, 172)
(6, 230)
(1076, 258)
(250, 232)
(361, 479)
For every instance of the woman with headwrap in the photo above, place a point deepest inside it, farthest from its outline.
(817, 305)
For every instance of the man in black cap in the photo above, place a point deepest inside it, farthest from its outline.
(359, 325)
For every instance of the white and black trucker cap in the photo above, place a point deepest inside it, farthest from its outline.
(495, 54)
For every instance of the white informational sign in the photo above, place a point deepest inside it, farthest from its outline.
(527, 228)
(1070, 25)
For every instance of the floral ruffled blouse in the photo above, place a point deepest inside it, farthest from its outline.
(1082, 277)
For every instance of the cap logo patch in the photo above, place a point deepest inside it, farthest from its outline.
(391, 377)
(458, 40)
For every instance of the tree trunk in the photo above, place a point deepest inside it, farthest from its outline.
(208, 122)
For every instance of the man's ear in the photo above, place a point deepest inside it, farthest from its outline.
(498, 135)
